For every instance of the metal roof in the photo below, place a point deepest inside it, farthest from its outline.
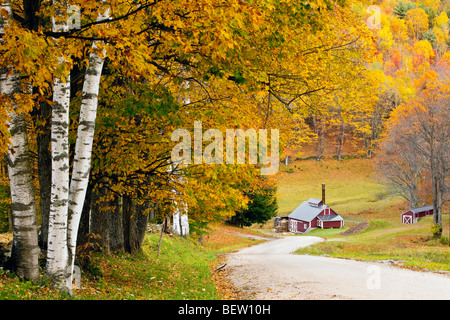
(330, 217)
(421, 209)
(306, 212)
(314, 201)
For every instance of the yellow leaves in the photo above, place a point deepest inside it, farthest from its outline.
(434, 4)
(417, 22)
(424, 48)
(399, 29)
(385, 34)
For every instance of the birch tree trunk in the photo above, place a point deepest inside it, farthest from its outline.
(180, 215)
(184, 221)
(83, 145)
(67, 202)
(57, 248)
(25, 251)
(176, 225)
(180, 224)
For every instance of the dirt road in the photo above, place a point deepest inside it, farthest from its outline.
(269, 271)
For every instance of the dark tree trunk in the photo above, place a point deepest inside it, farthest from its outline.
(83, 229)
(126, 213)
(116, 238)
(134, 225)
(44, 169)
(100, 218)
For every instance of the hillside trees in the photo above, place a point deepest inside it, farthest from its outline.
(418, 142)
(331, 67)
(417, 22)
(400, 164)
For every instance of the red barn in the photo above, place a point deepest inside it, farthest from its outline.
(313, 214)
(413, 215)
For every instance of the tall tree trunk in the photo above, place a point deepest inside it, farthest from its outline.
(44, 169)
(83, 146)
(31, 21)
(116, 240)
(340, 140)
(23, 206)
(83, 228)
(127, 208)
(134, 225)
(67, 212)
(319, 128)
(141, 217)
(100, 218)
(57, 252)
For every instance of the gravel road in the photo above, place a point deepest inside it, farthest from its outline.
(269, 271)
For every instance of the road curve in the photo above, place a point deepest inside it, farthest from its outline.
(269, 271)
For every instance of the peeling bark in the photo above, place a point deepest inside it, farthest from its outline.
(25, 251)
(57, 250)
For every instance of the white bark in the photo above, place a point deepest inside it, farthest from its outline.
(180, 224)
(176, 228)
(184, 221)
(57, 253)
(67, 202)
(23, 205)
(83, 146)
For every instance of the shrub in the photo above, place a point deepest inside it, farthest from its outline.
(436, 230)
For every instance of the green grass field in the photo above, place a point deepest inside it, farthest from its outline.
(352, 187)
(354, 191)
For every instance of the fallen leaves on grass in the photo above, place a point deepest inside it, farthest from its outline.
(222, 282)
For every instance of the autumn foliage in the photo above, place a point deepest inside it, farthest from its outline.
(312, 69)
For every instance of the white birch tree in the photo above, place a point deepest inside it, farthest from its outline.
(25, 252)
(68, 197)
(57, 253)
(84, 142)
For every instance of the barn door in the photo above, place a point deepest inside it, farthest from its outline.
(407, 219)
(293, 226)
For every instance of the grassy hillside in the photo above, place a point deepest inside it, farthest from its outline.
(355, 192)
(352, 187)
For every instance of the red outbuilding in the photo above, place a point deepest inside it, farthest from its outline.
(413, 215)
(314, 214)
